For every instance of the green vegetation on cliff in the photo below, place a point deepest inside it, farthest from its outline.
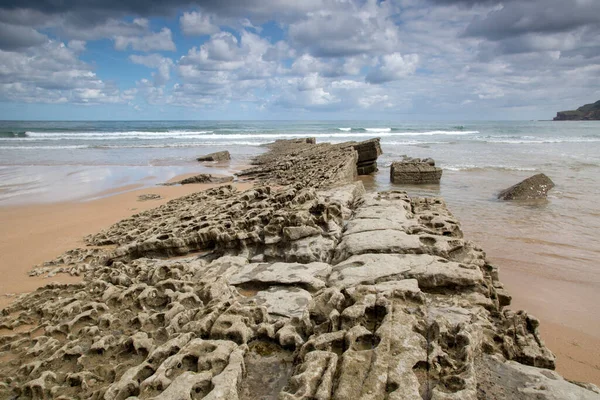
(587, 112)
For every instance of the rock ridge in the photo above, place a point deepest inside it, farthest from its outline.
(302, 291)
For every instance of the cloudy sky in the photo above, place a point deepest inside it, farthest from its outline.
(297, 59)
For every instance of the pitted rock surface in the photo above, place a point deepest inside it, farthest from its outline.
(298, 294)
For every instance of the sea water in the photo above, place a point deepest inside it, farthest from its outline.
(557, 239)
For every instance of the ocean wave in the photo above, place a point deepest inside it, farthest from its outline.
(542, 141)
(378, 130)
(134, 146)
(345, 129)
(9, 135)
(472, 167)
(44, 147)
(226, 137)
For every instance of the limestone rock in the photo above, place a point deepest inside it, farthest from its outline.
(534, 187)
(218, 156)
(314, 290)
(201, 178)
(149, 196)
(415, 171)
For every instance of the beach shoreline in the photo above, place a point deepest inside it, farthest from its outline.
(32, 234)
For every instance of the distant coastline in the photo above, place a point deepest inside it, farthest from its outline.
(588, 112)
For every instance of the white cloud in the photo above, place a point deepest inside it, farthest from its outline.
(155, 41)
(393, 67)
(162, 64)
(197, 23)
(52, 73)
(347, 29)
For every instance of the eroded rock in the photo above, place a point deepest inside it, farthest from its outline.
(534, 187)
(317, 292)
(218, 156)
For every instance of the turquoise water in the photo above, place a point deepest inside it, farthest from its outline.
(556, 239)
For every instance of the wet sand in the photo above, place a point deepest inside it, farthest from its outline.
(32, 234)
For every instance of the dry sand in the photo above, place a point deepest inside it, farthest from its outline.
(32, 234)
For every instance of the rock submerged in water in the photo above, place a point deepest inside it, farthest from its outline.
(532, 188)
(314, 290)
(415, 171)
(218, 156)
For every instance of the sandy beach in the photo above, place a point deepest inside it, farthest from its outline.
(34, 233)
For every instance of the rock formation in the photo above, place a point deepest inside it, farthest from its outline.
(368, 152)
(315, 291)
(201, 178)
(218, 156)
(415, 171)
(534, 187)
(149, 196)
(586, 112)
(293, 162)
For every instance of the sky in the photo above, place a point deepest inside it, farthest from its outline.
(292, 59)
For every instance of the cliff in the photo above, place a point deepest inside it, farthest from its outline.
(587, 112)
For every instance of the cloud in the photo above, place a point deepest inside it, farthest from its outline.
(150, 42)
(162, 64)
(52, 73)
(540, 16)
(348, 30)
(14, 37)
(197, 23)
(393, 67)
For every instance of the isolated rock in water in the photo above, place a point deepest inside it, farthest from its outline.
(415, 171)
(368, 152)
(201, 178)
(535, 187)
(149, 196)
(218, 156)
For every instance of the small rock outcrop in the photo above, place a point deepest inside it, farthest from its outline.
(218, 156)
(583, 113)
(415, 171)
(201, 178)
(368, 152)
(534, 187)
(302, 161)
(149, 196)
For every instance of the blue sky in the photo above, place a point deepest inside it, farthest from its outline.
(282, 59)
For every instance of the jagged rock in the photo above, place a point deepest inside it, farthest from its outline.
(310, 275)
(286, 301)
(297, 293)
(218, 156)
(429, 271)
(510, 380)
(149, 196)
(415, 171)
(368, 152)
(534, 187)
(201, 178)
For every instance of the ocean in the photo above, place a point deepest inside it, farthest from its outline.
(555, 240)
